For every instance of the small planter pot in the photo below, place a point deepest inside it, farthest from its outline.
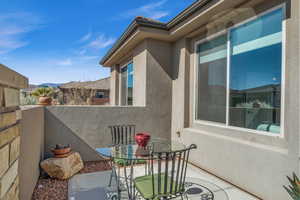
(61, 153)
(45, 101)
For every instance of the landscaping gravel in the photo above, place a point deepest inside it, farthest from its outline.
(53, 189)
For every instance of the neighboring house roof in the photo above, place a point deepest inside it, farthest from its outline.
(30, 88)
(150, 23)
(102, 84)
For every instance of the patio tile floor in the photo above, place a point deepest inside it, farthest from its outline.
(201, 185)
(233, 192)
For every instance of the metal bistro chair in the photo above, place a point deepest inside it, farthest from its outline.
(120, 134)
(169, 180)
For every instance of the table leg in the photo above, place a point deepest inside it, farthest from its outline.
(118, 183)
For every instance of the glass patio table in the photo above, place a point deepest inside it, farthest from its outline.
(131, 154)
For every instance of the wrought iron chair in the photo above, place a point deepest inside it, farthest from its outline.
(120, 134)
(169, 179)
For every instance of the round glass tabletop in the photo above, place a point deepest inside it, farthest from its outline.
(132, 151)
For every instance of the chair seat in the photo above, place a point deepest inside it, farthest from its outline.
(145, 187)
(125, 162)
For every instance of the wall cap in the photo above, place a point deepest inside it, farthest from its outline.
(11, 78)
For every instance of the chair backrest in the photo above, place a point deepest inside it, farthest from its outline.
(168, 170)
(122, 134)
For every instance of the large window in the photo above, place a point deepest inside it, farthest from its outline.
(127, 84)
(250, 95)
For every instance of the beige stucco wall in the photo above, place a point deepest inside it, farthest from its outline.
(31, 149)
(86, 127)
(257, 163)
(114, 86)
(139, 74)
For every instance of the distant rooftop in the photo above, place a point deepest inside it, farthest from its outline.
(103, 84)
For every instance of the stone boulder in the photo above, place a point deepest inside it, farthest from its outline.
(63, 168)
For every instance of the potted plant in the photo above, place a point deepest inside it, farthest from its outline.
(43, 95)
(294, 188)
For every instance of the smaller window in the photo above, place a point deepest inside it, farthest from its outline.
(127, 84)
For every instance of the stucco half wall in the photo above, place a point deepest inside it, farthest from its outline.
(31, 149)
(86, 127)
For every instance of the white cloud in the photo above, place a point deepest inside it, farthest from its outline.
(82, 52)
(158, 15)
(13, 26)
(88, 57)
(86, 37)
(101, 42)
(66, 62)
(153, 10)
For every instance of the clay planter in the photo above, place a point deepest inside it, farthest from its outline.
(45, 101)
(61, 153)
(142, 139)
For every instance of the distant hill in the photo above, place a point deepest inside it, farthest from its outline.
(54, 85)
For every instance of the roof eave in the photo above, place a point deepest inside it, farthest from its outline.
(139, 22)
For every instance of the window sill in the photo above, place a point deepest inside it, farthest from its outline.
(261, 137)
(283, 148)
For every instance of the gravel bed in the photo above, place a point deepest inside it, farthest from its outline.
(53, 189)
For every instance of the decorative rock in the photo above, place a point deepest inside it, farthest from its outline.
(63, 168)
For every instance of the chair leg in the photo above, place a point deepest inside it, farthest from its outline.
(184, 196)
(113, 172)
(118, 182)
(110, 179)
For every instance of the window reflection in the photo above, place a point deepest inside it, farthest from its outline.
(255, 73)
(127, 84)
(212, 80)
(130, 84)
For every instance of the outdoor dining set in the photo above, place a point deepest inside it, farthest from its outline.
(163, 162)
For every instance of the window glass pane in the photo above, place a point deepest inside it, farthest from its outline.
(212, 60)
(124, 85)
(130, 84)
(255, 73)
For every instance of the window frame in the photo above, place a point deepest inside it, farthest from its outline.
(227, 32)
(126, 93)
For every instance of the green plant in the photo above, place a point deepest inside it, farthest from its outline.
(29, 100)
(43, 92)
(294, 188)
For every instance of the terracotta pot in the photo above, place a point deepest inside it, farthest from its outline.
(142, 139)
(45, 101)
(61, 152)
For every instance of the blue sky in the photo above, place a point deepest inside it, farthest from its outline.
(60, 40)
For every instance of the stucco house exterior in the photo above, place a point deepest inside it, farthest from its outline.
(224, 74)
